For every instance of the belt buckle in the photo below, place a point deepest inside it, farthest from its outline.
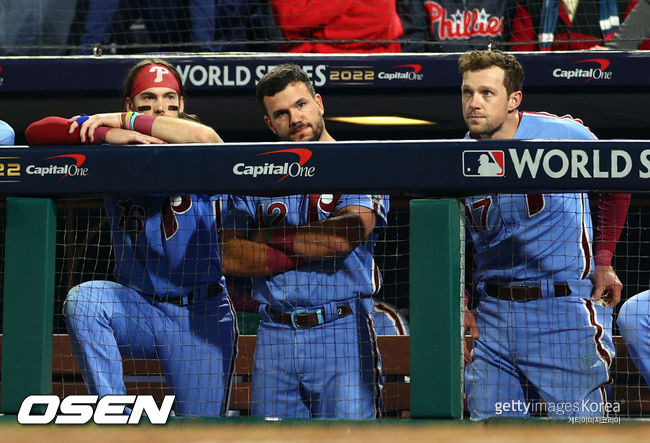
(319, 316)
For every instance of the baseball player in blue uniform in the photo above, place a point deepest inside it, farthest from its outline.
(169, 299)
(634, 323)
(538, 333)
(6, 134)
(310, 258)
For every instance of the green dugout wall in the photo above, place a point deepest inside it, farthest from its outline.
(434, 307)
(30, 244)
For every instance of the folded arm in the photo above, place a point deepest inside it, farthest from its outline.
(168, 129)
(272, 250)
(56, 131)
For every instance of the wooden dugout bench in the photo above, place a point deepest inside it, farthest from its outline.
(145, 376)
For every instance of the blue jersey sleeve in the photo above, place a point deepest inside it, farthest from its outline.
(165, 245)
(376, 202)
(7, 135)
(542, 125)
(238, 214)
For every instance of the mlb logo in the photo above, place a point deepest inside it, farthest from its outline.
(483, 163)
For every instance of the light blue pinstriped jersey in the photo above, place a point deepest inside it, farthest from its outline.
(319, 282)
(165, 245)
(7, 134)
(524, 239)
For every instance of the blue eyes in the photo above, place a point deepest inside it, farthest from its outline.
(470, 93)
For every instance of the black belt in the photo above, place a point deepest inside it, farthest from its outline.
(524, 293)
(307, 318)
(184, 300)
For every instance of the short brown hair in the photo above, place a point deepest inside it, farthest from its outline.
(478, 60)
(279, 78)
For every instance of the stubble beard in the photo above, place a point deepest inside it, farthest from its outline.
(485, 131)
(317, 132)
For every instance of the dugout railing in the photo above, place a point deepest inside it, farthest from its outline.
(414, 169)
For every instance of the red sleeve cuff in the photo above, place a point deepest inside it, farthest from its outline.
(100, 134)
(283, 238)
(277, 261)
(603, 257)
(144, 124)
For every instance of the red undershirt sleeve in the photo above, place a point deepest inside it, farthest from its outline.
(612, 212)
(54, 131)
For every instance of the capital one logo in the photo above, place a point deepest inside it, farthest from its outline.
(68, 170)
(412, 73)
(588, 72)
(160, 71)
(285, 169)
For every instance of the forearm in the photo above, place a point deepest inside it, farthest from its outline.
(268, 251)
(612, 212)
(162, 128)
(177, 130)
(245, 258)
(330, 238)
(335, 237)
